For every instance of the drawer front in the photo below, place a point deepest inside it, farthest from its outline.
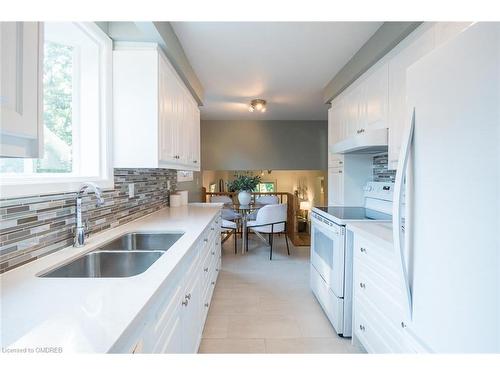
(367, 330)
(166, 321)
(369, 285)
(379, 257)
(334, 161)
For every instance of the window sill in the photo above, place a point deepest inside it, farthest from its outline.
(29, 187)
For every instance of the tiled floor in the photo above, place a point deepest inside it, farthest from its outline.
(262, 306)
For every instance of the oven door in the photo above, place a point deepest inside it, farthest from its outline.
(328, 252)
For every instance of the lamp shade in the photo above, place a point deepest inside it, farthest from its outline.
(305, 205)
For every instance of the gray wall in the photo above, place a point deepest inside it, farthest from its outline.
(254, 145)
(384, 40)
(193, 187)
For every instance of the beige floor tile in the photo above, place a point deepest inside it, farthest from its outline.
(242, 304)
(216, 326)
(310, 345)
(262, 326)
(314, 325)
(257, 299)
(232, 346)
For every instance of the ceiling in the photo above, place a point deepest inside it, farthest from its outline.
(286, 63)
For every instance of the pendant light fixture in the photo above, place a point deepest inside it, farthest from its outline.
(258, 105)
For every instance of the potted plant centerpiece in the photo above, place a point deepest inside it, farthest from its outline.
(244, 185)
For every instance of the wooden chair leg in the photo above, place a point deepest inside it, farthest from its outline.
(287, 247)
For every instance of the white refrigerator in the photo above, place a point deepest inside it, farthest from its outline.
(448, 185)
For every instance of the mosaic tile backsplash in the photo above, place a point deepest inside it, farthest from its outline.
(380, 171)
(31, 227)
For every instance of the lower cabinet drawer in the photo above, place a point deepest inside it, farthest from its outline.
(381, 334)
(370, 285)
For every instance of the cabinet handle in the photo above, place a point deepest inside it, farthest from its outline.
(205, 269)
(363, 250)
(361, 327)
(213, 282)
(195, 161)
(206, 304)
(188, 296)
(205, 240)
(217, 270)
(403, 325)
(213, 252)
(212, 228)
(185, 302)
(362, 285)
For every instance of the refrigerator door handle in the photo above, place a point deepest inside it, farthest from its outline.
(404, 155)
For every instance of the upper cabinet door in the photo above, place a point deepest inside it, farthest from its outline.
(419, 46)
(21, 87)
(375, 100)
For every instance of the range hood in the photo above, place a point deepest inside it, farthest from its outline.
(368, 142)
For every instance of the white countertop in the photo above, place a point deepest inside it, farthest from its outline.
(90, 314)
(380, 233)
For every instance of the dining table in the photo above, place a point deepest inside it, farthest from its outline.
(244, 211)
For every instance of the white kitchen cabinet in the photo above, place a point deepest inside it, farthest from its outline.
(335, 186)
(347, 175)
(156, 119)
(379, 300)
(191, 305)
(173, 321)
(362, 107)
(375, 99)
(21, 88)
(353, 110)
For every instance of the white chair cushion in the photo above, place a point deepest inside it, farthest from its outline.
(267, 199)
(228, 224)
(229, 214)
(272, 213)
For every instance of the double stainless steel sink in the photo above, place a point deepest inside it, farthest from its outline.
(125, 256)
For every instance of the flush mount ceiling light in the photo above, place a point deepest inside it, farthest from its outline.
(257, 105)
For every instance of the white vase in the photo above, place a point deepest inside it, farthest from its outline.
(244, 197)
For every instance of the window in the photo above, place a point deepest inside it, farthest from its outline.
(266, 187)
(76, 115)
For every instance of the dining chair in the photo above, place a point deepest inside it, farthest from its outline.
(227, 213)
(270, 219)
(264, 200)
(232, 228)
(267, 199)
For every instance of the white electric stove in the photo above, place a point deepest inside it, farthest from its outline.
(331, 251)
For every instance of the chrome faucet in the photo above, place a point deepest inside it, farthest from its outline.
(81, 228)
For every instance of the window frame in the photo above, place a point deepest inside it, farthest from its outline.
(267, 182)
(12, 187)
